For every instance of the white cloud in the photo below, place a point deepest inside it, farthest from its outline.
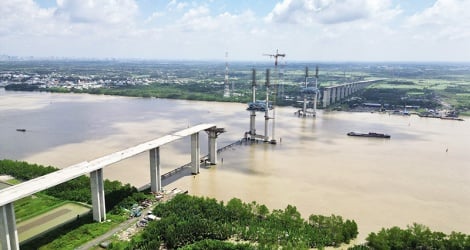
(155, 15)
(200, 19)
(174, 4)
(329, 11)
(181, 6)
(93, 11)
(355, 30)
(446, 19)
(19, 17)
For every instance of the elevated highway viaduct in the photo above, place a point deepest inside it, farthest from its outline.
(336, 93)
(8, 230)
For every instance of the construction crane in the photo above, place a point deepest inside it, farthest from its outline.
(279, 85)
(275, 56)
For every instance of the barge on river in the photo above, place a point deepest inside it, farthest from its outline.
(370, 134)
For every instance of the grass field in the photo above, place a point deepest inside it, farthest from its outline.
(44, 222)
(34, 205)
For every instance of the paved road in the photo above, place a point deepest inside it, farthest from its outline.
(123, 226)
(182, 172)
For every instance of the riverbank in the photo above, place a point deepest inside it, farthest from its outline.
(5, 178)
(317, 167)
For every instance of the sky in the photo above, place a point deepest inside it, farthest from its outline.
(304, 30)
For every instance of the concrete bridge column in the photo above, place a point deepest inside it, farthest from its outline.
(252, 124)
(333, 95)
(97, 195)
(195, 152)
(336, 93)
(155, 176)
(342, 90)
(213, 147)
(326, 97)
(8, 232)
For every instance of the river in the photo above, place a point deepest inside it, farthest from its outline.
(421, 174)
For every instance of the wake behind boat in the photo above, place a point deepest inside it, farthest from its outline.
(370, 134)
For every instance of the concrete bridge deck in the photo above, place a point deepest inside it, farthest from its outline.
(8, 230)
(33, 186)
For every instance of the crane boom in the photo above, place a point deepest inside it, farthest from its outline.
(275, 56)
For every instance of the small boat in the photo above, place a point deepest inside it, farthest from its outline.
(21, 130)
(370, 134)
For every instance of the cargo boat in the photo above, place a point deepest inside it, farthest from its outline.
(370, 134)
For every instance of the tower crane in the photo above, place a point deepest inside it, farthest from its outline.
(275, 56)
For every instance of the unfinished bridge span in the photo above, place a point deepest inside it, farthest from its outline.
(8, 231)
(336, 93)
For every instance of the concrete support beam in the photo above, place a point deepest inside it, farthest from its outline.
(155, 176)
(97, 195)
(195, 153)
(8, 232)
(333, 95)
(212, 147)
(252, 124)
(326, 97)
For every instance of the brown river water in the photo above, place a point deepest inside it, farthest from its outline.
(421, 174)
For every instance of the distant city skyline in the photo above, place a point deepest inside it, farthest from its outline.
(305, 30)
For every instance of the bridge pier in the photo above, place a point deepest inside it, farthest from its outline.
(212, 147)
(155, 176)
(195, 153)
(8, 231)
(97, 195)
(333, 95)
(326, 97)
